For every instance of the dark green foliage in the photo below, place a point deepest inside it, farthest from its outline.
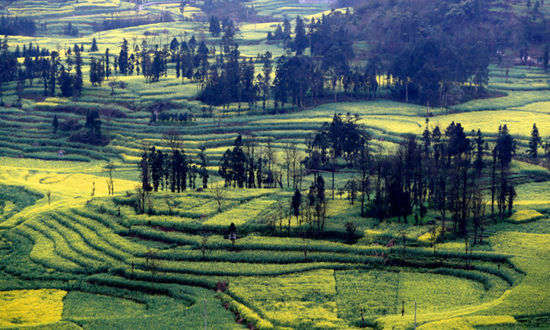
(17, 26)
(118, 23)
(300, 40)
(505, 147)
(123, 57)
(233, 165)
(8, 66)
(214, 27)
(534, 142)
(203, 172)
(71, 30)
(446, 44)
(97, 71)
(296, 203)
(55, 124)
(93, 47)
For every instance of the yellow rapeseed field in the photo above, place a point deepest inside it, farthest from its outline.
(30, 307)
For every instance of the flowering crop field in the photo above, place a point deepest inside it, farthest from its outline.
(74, 256)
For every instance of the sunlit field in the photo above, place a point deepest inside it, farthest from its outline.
(73, 255)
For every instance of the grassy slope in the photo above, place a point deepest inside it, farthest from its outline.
(50, 246)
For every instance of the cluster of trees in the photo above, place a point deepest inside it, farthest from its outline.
(17, 26)
(300, 79)
(8, 65)
(172, 117)
(216, 27)
(70, 30)
(281, 33)
(230, 80)
(245, 166)
(151, 61)
(90, 133)
(433, 51)
(46, 66)
(439, 51)
(29, 51)
(119, 23)
(444, 171)
(312, 208)
(173, 171)
(236, 9)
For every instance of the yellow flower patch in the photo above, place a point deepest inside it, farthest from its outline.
(525, 215)
(30, 307)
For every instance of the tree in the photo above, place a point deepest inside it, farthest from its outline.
(214, 27)
(77, 81)
(204, 243)
(123, 57)
(203, 172)
(55, 124)
(480, 147)
(296, 203)
(65, 83)
(534, 142)
(97, 72)
(219, 196)
(504, 150)
(172, 138)
(232, 234)
(266, 78)
(286, 28)
(93, 48)
(8, 67)
(107, 65)
(300, 39)
(109, 168)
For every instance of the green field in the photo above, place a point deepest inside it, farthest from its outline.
(73, 256)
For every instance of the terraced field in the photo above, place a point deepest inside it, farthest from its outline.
(90, 261)
(160, 267)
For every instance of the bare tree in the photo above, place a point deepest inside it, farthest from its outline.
(172, 138)
(270, 154)
(478, 213)
(113, 83)
(151, 261)
(219, 196)
(141, 195)
(170, 203)
(295, 157)
(287, 160)
(109, 168)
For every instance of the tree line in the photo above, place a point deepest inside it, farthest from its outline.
(17, 26)
(119, 23)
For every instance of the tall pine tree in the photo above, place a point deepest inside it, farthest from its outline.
(534, 142)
